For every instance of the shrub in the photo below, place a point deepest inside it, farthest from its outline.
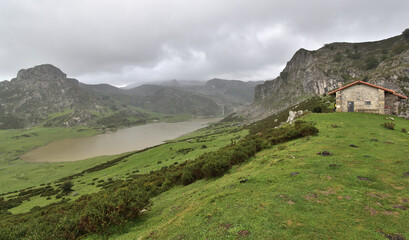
(250, 148)
(354, 56)
(388, 125)
(403, 78)
(238, 156)
(371, 62)
(317, 109)
(67, 186)
(399, 49)
(216, 167)
(338, 57)
(192, 172)
(112, 208)
(307, 130)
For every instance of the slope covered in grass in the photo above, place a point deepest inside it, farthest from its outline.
(122, 199)
(91, 175)
(288, 191)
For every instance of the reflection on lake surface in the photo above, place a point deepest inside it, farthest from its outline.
(123, 140)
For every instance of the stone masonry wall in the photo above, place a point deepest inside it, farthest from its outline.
(391, 104)
(359, 94)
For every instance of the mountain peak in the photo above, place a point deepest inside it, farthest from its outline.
(44, 72)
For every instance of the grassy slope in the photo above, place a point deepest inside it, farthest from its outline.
(16, 174)
(143, 162)
(321, 202)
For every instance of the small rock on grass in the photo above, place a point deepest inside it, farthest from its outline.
(400, 207)
(394, 236)
(324, 153)
(294, 173)
(243, 180)
(364, 179)
(334, 166)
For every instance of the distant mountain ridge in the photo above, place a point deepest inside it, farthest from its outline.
(311, 73)
(43, 95)
(215, 97)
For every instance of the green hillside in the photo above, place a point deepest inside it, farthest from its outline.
(290, 192)
(285, 191)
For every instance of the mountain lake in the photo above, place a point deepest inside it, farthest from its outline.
(121, 141)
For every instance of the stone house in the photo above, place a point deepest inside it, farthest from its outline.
(361, 96)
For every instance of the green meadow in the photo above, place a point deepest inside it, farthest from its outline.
(350, 181)
(18, 174)
(290, 192)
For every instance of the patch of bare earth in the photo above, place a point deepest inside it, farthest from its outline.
(243, 233)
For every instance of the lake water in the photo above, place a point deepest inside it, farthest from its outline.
(123, 140)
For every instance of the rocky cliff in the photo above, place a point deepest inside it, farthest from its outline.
(309, 73)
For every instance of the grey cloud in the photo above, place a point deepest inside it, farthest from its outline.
(124, 42)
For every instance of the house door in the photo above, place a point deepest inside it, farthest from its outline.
(350, 106)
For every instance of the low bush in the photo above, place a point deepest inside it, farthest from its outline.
(70, 220)
(388, 125)
(317, 109)
(112, 209)
(371, 62)
(67, 186)
(216, 166)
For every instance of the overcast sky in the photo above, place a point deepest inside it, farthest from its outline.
(125, 42)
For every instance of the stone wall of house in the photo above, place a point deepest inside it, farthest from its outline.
(360, 94)
(391, 104)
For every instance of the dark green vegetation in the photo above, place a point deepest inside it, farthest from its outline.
(123, 199)
(315, 104)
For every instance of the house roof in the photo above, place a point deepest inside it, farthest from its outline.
(368, 84)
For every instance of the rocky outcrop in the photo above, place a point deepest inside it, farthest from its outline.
(292, 115)
(309, 73)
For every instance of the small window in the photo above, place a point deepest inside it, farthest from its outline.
(367, 102)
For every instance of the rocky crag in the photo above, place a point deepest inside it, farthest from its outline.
(44, 95)
(309, 73)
